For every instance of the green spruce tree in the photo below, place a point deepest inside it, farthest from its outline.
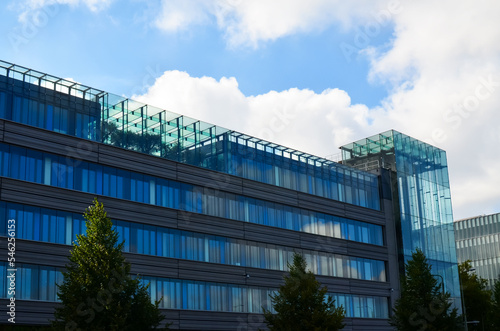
(301, 303)
(476, 298)
(98, 292)
(495, 310)
(423, 305)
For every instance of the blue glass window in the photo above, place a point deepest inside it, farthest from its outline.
(196, 295)
(61, 227)
(25, 164)
(219, 149)
(183, 294)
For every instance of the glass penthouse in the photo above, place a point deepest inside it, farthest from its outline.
(209, 216)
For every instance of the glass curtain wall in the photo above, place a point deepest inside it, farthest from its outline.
(34, 282)
(38, 99)
(48, 225)
(478, 240)
(423, 188)
(49, 169)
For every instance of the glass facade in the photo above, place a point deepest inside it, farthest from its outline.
(49, 169)
(38, 283)
(48, 225)
(478, 240)
(41, 100)
(36, 99)
(423, 201)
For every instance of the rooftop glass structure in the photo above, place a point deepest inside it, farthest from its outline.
(421, 198)
(42, 100)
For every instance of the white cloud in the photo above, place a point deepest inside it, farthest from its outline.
(442, 69)
(178, 15)
(30, 7)
(444, 66)
(248, 23)
(218, 102)
(302, 119)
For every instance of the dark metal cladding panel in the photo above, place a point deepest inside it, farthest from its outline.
(210, 225)
(146, 265)
(365, 214)
(269, 192)
(56, 198)
(367, 251)
(368, 291)
(211, 272)
(323, 243)
(51, 142)
(264, 278)
(321, 204)
(33, 252)
(139, 212)
(44, 196)
(371, 324)
(40, 313)
(29, 312)
(214, 180)
(135, 161)
(2, 125)
(272, 235)
(198, 320)
(334, 284)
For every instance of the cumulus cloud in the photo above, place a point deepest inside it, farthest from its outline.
(214, 101)
(302, 119)
(442, 69)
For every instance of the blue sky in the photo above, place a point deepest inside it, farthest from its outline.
(114, 49)
(329, 71)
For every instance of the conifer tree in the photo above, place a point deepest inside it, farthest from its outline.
(98, 292)
(495, 311)
(301, 303)
(423, 305)
(476, 298)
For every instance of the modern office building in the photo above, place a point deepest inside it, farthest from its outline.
(478, 239)
(210, 217)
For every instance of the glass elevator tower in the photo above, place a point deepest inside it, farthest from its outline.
(421, 198)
